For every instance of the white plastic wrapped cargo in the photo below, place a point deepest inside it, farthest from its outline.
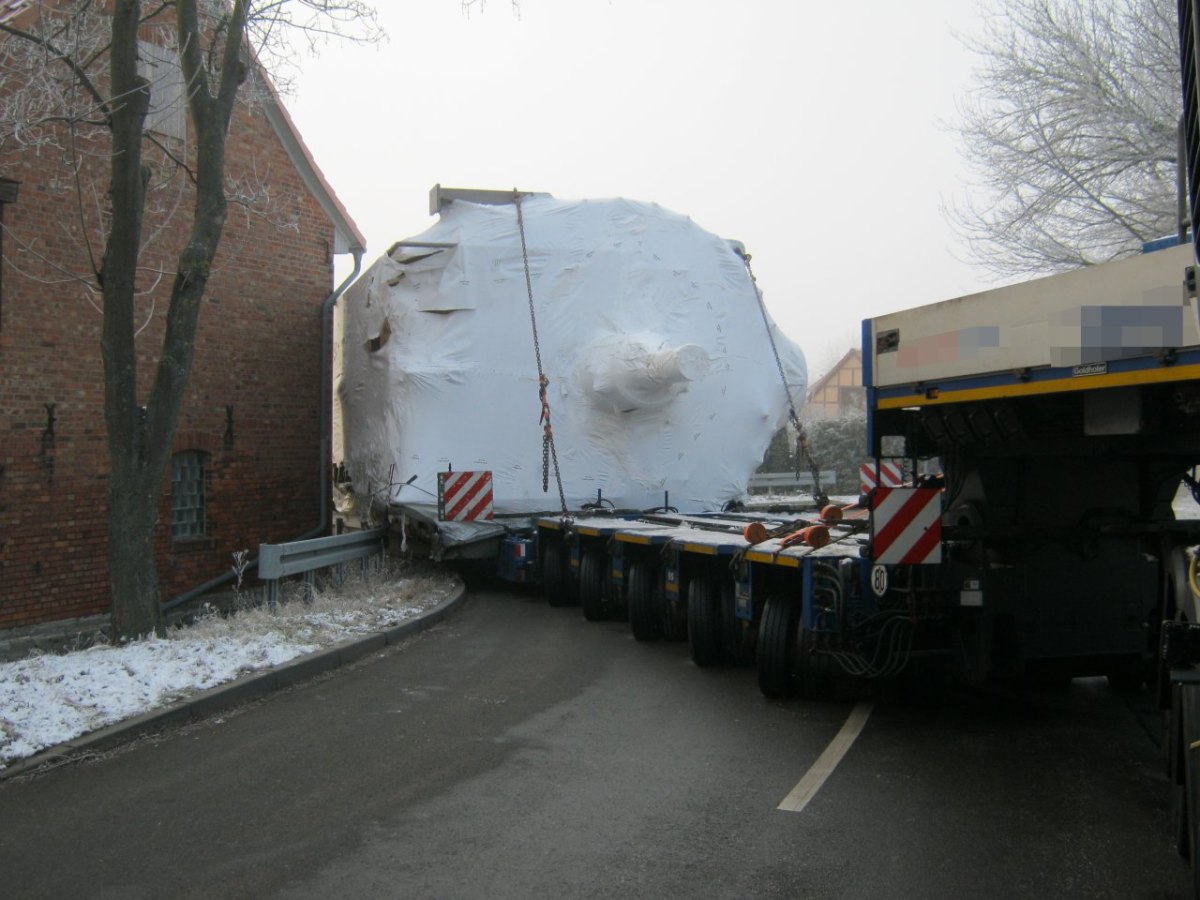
(662, 380)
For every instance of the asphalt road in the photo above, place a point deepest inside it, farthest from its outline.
(517, 751)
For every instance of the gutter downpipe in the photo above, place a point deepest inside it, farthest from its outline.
(327, 390)
(326, 436)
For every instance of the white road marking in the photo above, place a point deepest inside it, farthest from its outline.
(815, 777)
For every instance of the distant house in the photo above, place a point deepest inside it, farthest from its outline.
(248, 454)
(839, 392)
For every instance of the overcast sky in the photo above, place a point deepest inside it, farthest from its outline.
(813, 132)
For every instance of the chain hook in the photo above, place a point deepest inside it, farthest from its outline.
(549, 454)
(802, 451)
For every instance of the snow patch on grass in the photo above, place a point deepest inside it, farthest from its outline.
(48, 699)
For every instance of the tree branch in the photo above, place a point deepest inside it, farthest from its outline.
(80, 74)
(1070, 133)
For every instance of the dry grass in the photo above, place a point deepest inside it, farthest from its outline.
(329, 610)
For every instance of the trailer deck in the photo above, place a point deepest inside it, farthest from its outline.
(719, 535)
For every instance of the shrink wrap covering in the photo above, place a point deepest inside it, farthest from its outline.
(661, 377)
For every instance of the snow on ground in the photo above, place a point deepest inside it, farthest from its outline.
(48, 699)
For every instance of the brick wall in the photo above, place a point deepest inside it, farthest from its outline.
(257, 351)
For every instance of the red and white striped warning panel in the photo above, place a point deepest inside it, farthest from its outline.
(464, 496)
(906, 526)
(891, 474)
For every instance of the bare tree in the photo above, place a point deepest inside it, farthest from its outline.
(82, 80)
(1071, 133)
(470, 6)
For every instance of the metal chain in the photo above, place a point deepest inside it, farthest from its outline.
(819, 495)
(549, 454)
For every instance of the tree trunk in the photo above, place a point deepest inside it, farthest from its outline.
(133, 481)
(139, 439)
(133, 575)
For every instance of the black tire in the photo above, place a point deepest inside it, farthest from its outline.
(591, 585)
(645, 612)
(554, 575)
(705, 639)
(777, 647)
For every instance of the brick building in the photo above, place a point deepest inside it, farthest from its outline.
(247, 459)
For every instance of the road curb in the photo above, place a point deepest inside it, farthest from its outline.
(235, 693)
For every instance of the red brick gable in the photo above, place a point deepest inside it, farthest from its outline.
(252, 403)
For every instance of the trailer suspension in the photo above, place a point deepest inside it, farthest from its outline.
(549, 454)
(802, 451)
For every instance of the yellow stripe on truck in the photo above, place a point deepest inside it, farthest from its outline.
(945, 395)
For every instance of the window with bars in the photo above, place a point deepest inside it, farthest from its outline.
(189, 476)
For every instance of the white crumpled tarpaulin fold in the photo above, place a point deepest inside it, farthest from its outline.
(661, 373)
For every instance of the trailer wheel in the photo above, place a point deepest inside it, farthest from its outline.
(591, 585)
(645, 613)
(704, 622)
(555, 583)
(777, 647)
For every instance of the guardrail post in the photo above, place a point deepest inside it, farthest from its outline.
(276, 561)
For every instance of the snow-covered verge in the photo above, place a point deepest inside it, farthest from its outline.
(48, 699)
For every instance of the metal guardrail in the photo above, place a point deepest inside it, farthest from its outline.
(276, 561)
(761, 481)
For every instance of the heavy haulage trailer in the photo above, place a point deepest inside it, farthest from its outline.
(1054, 423)
(1051, 423)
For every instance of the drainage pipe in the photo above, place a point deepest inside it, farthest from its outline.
(327, 390)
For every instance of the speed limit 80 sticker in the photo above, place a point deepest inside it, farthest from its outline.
(879, 580)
